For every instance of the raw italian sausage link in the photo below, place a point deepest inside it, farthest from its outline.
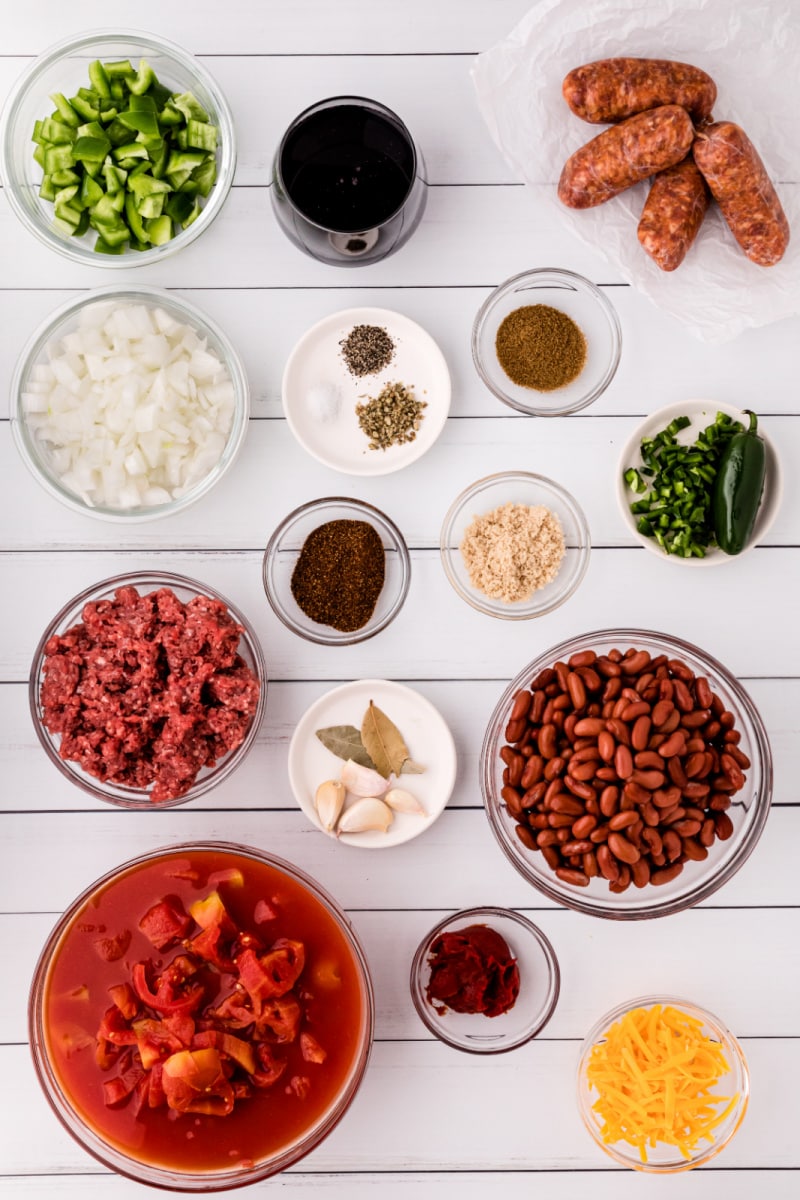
(624, 155)
(615, 88)
(741, 186)
(673, 213)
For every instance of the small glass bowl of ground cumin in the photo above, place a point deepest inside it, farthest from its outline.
(461, 951)
(547, 342)
(515, 545)
(336, 571)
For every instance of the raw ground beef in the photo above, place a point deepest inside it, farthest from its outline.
(147, 690)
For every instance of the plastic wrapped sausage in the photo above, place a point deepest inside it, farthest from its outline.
(741, 186)
(673, 213)
(615, 88)
(624, 155)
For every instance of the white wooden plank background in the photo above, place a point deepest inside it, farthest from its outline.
(427, 1119)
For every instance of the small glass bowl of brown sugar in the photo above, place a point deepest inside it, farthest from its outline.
(515, 545)
(547, 342)
(336, 571)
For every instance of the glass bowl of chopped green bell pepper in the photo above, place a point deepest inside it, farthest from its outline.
(116, 148)
(699, 483)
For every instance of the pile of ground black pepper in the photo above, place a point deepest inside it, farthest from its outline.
(540, 347)
(392, 417)
(339, 574)
(366, 350)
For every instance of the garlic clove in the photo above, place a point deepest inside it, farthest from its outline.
(402, 801)
(367, 813)
(329, 802)
(362, 781)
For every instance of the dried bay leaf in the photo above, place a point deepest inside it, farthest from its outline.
(383, 741)
(345, 742)
(410, 767)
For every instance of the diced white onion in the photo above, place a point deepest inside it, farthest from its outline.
(132, 409)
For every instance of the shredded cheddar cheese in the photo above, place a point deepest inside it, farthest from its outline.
(654, 1072)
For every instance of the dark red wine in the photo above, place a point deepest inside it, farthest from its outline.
(348, 168)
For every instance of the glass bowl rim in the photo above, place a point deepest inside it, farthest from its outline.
(549, 885)
(531, 932)
(577, 283)
(739, 1065)
(340, 101)
(47, 331)
(526, 477)
(367, 510)
(70, 44)
(225, 766)
(216, 1181)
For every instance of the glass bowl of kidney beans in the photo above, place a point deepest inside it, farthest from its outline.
(626, 774)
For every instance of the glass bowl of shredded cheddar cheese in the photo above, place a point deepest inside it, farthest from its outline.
(662, 1084)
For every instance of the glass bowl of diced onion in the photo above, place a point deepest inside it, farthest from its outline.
(63, 69)
(129, 404)
(663, 1085)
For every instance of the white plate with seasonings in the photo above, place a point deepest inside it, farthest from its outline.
(320, 390)
(424, 731)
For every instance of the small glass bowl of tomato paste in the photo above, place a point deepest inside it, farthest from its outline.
(201, 1017)
(147, 689)
(508, 988)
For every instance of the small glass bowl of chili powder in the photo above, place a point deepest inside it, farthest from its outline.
(336, 571)
(485, 980)
(547, 342)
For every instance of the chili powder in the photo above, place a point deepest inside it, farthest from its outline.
(339, 574)
(540, 347)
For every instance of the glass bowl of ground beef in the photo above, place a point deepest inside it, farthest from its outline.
(515, 545)
(147, 689)
(336, 571)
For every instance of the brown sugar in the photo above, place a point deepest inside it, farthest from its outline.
(513, 551)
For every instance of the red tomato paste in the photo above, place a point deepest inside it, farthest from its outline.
(472, 971)
(146, 690)
(225, 1029)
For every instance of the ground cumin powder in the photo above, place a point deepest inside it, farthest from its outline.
(540, 347)
(513, 551)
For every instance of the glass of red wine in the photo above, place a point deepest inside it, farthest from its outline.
(348, 182)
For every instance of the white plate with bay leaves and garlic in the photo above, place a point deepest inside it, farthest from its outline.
(372, 763)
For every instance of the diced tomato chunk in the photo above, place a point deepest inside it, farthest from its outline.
(166, 923)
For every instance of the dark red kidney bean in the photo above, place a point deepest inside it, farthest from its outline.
(652, 780)
(534, 795)
(534, 771)
(620, 731)
(547, 741)
(609, 800)
(702, 691)
(738, 756)
(707, 832)
(635, 792)
(695, 789)
(583, 771)
(612, 689)
(538, 820)
(551, 791)
(562, 803)
(515, 729)
(652, 839)
(591, 679)
(679, 671)
(671, 844)
(585, 754)
(512, 794)
(526, 836)
(658, 860)
(650, 815)
(694, 764)
(674, 744)
(724, 825)
(606, 775)
(562, 673)
(570, 875)
(672, 722)
(666, 874)
(623, 762)
(609, 867)
(640, 873)
(561, 703)
(648, 760)
(592, 807)
(634, 664)
(732, 770)
(727, 719)
(547, 837)
(543, 679)
(583, 826)
(719, 802)
(578, 788)
(558, 820)
(622, 849)
(640, 734)
(632, 712)
(695, 719)
(732, 735)
(581, 846)
(712, 730)
(589, 727)
(665, 689)
(693, 850)
(522, 705)
(624, 880)
(676, 772)
(619, 708)
(582, 658)
(552, 856)
(553, 768)
(686, 828)
(600, 834)
(673, 814)
(622, 820)
(590, 868)
(644, 681)
(515, 770)
(538, 707)
(606, 745)
(608, 666)
(577, 689)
